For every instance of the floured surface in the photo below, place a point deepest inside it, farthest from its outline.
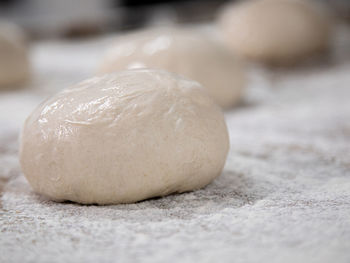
(284, 195)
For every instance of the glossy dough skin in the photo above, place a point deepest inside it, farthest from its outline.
(185, 52)
(14, 62)
(275, 31)
(124, 137)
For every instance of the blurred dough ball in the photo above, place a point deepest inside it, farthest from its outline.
(124, 137)
(275, 31)
(14, 61)
(186, 52)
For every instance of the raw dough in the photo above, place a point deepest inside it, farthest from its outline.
(124, 137)
(14, 63)
(275, 31)
(186, 52)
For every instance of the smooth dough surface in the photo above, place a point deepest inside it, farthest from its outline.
(124, 137)
(14, 62)
(275, 31)
(185, 52)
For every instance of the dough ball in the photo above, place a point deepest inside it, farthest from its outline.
(275, 31)
(14, 63)
(124, 137)
(185, 52)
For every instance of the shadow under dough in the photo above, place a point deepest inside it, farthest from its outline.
(230, 190)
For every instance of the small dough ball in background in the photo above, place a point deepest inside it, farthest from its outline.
(275, 31)
(185, 52)
(14, 61)
(124, 137)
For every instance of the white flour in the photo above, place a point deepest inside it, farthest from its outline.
(284, 195)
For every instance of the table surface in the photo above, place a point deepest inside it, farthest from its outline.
(284, 195)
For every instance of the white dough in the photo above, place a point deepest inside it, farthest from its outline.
(185, 52)
(124, 137)
(275, 31)
(14, 63)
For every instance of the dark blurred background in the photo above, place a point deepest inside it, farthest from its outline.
(53, 18)
(82, 17)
